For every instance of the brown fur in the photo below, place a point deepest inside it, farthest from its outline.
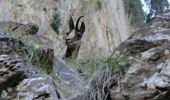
(73, 39)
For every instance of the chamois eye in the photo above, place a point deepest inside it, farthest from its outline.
(78, 34)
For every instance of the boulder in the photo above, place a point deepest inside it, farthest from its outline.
(27, 29)
(11, 46)
(68, 77)
(43, 52)
(38, 88)
(18, 28)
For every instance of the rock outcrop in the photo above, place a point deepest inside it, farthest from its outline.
(21, 29)
(41, 47)
(18, 78)
(146, 56)
(148, 53)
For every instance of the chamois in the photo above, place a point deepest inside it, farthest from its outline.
(73, 38)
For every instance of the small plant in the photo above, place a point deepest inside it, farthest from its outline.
(117, 66)
(45, 9)
(99, 4)
(109, 73)
(84, 4)
(55, 22)
(33, 57)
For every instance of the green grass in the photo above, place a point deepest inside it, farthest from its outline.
(97, 71)
(87, 69)
(32, 57)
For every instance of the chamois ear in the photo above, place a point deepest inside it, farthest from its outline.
(82, 27)
(71, 23)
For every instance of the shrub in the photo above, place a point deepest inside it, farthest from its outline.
(55, 22)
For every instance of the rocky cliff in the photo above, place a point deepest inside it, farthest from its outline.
(106, 25)
(145, 60)
(138, 68)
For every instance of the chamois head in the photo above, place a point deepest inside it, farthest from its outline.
(73, 39)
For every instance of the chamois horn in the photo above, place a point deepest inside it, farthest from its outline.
(71, 23)
(77, 24)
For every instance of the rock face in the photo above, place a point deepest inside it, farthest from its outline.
(148, 53)
(106, 25)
